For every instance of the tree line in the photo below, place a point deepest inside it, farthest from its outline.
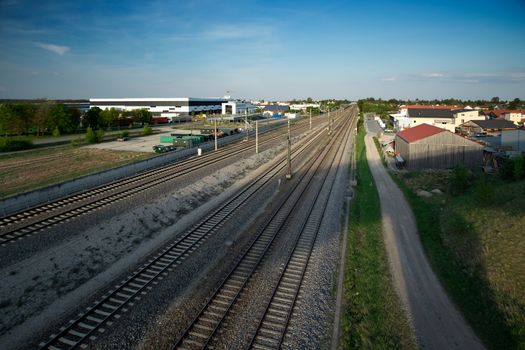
(25, 118)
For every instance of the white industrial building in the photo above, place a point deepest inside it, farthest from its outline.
(236, 108)
(164, 107)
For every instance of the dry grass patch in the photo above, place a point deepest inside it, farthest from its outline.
(30, 170)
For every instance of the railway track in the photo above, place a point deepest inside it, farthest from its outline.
(205, 326)
(24, 224)
(80, 331)
(273, 325)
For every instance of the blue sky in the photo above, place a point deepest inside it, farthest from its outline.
(262, 49)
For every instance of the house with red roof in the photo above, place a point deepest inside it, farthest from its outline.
(429, 147)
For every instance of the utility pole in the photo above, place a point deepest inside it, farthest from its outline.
(289, 158)
(256, 136)
(215, 122)
(246, 124)
(329, 124)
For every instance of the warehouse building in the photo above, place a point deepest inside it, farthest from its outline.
(162, 107)
(430, 147)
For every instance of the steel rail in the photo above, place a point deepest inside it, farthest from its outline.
(205, 325)
(78, 331)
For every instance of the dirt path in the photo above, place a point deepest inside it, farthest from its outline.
(435, 320)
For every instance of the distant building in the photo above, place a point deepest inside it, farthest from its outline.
(236, 107)
(429, 147)
(516, 117)
(304, 106)
(161, 107)
(443, 117)
(491, 126)
(276, 109)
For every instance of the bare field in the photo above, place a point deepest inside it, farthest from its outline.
(30, 170)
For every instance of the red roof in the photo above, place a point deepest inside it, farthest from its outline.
(419, 132)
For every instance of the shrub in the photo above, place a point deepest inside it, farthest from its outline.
(513, 169)
(519, 168)
(91, 136)
(506, 171)
(147, 130)
(125, 133)
(460, 180)
(56, 132)
(100, 135)
(10, 144)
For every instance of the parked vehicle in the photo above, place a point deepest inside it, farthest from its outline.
(163, 148)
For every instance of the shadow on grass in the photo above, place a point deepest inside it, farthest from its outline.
(464, 275)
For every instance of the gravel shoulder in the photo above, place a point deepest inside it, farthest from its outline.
(435, 320)
(51, 283)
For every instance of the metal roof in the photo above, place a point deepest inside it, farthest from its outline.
(495, 124)
(276, 108)
(419, 132)
(430, 113)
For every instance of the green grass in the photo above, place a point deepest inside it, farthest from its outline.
(380, 151)
(373, 316)
(26, 171)
(476, 248)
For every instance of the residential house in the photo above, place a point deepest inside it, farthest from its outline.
(517, 117)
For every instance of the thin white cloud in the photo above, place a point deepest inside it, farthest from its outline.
(389, 79)
(59, 50)
(434, 75)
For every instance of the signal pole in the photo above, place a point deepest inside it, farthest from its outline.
(289, 158)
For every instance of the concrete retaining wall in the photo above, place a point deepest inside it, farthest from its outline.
(43, 195)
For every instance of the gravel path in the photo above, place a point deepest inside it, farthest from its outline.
(436, 321)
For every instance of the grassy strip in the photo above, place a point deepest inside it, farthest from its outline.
(380, 151)
(478, 302)
(373, 316)
(54, 165)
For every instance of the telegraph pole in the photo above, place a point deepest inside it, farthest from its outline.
(256, 136)
(215, 122)
(329, 124)
(289, 158)
(246, 124)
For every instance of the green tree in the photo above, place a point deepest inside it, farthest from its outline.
(108, 117)
(514, 104)
(41, 118)
(24, 117)
(92, 118)
(141, 116)
(7, 118)
(494, 100)
(59, 118)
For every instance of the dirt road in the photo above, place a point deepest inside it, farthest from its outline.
(435, 320)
